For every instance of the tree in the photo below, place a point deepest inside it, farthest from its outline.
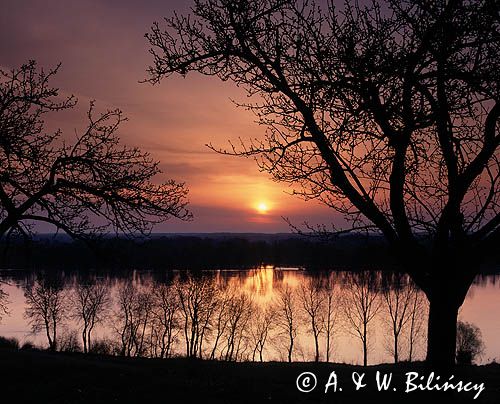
(416, 330)
(220, 317)
(312, 300)
(285, 308)
(133, 318)
(45, 308)
(239, 313)
(128, 318)
(90, 305)
(198, 303)
(399, 303)
(4, 301)
(386, 112)
(470, 344)
(262, 325)
(165, 324)
(331, 314)
(361, 303)
(82, 187)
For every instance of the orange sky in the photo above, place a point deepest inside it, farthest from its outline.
(104, 56)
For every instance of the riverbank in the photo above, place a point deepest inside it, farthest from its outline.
(43, 377)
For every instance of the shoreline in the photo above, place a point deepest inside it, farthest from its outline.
(46, 377)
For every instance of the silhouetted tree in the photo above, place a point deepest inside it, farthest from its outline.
(240, 310)
(131, 318)
(90, 303)
(262, 326)
(331, 314)
(287, 322)
(470, 344)
(198, 303)
(220, 319)
(416, 331)
(360, 304)
(399, 305)
(46, 307)
(4, 301)
(165, 323)
(70, 183)
(385, 111)
(312, 299)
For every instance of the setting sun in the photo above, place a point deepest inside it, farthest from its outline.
(262, 207)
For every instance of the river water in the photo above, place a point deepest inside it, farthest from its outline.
(264, 290)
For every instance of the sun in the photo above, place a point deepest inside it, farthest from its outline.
(262, 208)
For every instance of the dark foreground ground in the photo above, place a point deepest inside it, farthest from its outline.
(41, 377)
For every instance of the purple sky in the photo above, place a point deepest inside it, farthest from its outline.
(104, 55)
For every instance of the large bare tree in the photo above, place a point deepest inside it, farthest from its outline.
(81, 185)
(387, 112)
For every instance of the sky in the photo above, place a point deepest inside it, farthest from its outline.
(104, 57)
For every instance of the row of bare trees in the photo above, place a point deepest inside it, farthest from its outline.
(201, 318)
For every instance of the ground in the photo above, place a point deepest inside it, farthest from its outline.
(43, 377)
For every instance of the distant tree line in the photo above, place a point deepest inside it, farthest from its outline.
(203, 252)
(194, 252)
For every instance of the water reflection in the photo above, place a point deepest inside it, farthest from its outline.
(261, 314)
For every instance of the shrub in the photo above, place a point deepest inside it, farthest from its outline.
(470, 344)
(9, 343)
(28, 346)
(102, 346)
(69, 342)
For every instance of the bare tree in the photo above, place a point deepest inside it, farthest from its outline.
(47, 178)
(416, 332)
(125, 317)
(132, 317)
(331, 313)
(144, 310)
(312, 299)
(220, 319)
(239, 313)
(388, 112)
(165, 323)
(198, 304)
(399, 304)
(46, 307)
(4, 301)
(90, 303)
(287, 322)
(262, 326)
(361, 304)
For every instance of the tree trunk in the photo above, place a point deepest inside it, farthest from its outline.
(316, 344)
(84, 338)
(396, 356)
(450, 276)
(365, 353)
(365, 344)
(442, 331)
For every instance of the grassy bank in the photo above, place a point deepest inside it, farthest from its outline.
(42, 377)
